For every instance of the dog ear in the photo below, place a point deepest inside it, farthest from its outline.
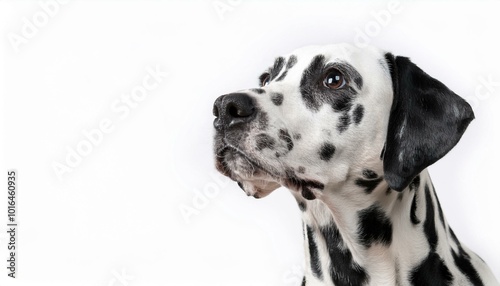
(427, 119)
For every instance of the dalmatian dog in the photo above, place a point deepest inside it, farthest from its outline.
(350, 132)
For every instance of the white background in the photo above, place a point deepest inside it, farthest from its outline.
(115, 219)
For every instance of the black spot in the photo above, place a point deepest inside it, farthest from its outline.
(370, 184)
(301, 170)
(455, 238)
(263, 141)
(289, 65)
(374, 226)
(415, 183)
(369, 174)
(382, 153)
(429, 224)
(240, 185)
(307, 83)
(344, 271)
(312, 184)
(326, 152)
(388, 192)
(290, 173)
(344, 122)
(302, 206)
(285, 136)
(315, 95)
(413, 212)
(400, 196)
(359, 82)
(303, 281)
(358, 113)
(462, 261)
(440, 210)
(297, 136)
(294, 182)
(282, 76)
(342, 104)
(307, 194)
(258, 90)
(304, 230)
(277, 98)
(313, 253)
(291, 62)
(277, 67)
(432, 272)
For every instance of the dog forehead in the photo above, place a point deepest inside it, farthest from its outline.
(340, 51)
(343, 52)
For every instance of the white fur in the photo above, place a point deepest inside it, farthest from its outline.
(357, 148)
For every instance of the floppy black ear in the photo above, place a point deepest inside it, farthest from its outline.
(427, 119)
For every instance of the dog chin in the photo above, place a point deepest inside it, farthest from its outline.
(258, 188)
(251, 178)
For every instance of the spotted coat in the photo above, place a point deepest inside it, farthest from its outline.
(350, 132)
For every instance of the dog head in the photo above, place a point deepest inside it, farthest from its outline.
(325, 114)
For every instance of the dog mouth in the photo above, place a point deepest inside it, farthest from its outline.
(252, 177)
(256, 179)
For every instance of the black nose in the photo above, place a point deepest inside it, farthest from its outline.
(233, 109)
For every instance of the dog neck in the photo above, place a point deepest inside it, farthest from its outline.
(353, 236)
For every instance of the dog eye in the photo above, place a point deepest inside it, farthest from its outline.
(264, 79)
(334, 79)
